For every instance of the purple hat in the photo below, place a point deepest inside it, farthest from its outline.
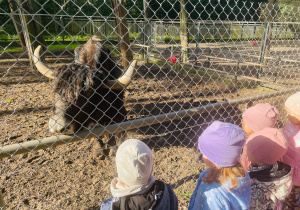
(222, 143)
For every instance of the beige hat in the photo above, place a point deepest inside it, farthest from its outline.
(134, 162)
(293, 103)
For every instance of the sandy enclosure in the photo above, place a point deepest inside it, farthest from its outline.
(68, 176)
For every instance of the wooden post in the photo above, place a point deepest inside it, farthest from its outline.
(147, 28)
(2, 202)
(121, 24)
(144, 38)
(183, 31)
(236, 72)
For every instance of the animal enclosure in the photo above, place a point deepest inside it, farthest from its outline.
(223, 65)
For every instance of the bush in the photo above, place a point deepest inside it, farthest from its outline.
(135, 35)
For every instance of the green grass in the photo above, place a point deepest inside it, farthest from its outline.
(58, 43)
(51, 48)
(55, 47)
(135, 35)
(11, 50)
(59, 47)
(186, 195)
(68, 38)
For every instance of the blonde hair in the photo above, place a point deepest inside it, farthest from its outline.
(221, 174)
(247, 130)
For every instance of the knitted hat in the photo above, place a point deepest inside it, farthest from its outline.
(267, 146)
(134, 162)
(260, 116)
(222, 143)
(293, 103)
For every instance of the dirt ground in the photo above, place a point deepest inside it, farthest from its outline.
(68, 176)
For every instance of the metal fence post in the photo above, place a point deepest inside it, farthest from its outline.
(277, 62)
(62, 27)
(242, 31)
(208, 59)
(197, 43)
(263, 49)
(92, 27)
(229, 31)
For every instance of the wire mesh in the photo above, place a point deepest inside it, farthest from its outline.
(222, 52)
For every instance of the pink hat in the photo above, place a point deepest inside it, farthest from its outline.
(267, 146)
(260, 116)
(293, 103)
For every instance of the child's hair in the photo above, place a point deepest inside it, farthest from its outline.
(247, 130)
(222, 174)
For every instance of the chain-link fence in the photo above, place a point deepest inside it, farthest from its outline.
(197, 61)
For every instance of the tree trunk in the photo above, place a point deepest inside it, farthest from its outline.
(31, 26)
(123, 32)
(183, 31)
(17, 22)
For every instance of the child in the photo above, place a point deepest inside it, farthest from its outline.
(225, 185)
(291, 131)
(255, 119)
(271, 180)
(136, 187)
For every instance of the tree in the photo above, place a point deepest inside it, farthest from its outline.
(17, 22)
(31, 26)
(286, 11)
(121, 24)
